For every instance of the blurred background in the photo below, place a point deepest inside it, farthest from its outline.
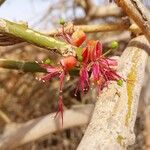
(22, 97)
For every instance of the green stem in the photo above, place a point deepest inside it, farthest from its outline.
(21, 65)
(28, 66)
(21, 31)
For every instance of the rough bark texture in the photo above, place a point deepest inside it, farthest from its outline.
(145, 104)
(112, 123)
(138, 12)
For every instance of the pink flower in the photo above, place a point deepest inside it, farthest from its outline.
(98, 66)
(66, 64)
(83, 83)
(52, 72)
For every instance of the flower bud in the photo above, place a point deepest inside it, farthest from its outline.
(47, 61)
(120, 82)
(114, 44)
(68, 62)
(62, 21)
(78, 37)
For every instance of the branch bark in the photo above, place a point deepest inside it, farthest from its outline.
(138, 12)
(145, 106)
(18, 134)
(120, 26)
(93, 11)
(147, 128)
(112, 123)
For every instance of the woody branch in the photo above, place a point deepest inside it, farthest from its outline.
(12, 33)
(138, 12)
(17, 134)
(112, 123)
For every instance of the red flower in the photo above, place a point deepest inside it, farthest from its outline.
(52, 72)
(68, 62)
(92, 51)
(60, 71)
(78, 37)
(98, 66)
(83, 83)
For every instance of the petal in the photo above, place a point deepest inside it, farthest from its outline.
(47, 77)
(95, 48)
(68, 62)
(96, 71)
(78, 37)
(91, 48)
(85, 55)
(111, 62)
(99, 48)
(84, 80)
(50, 68)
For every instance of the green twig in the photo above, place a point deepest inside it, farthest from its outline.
(22, 32)
(27, 66)
(21, 65)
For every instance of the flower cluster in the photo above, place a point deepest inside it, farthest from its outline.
(95, 68)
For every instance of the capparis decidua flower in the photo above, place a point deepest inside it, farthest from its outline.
(94, 66)
(88, 56)
(60, 71)
(97, 67)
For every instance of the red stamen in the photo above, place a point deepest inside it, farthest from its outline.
(60, 109)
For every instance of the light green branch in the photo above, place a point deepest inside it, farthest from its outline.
(22, 32)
